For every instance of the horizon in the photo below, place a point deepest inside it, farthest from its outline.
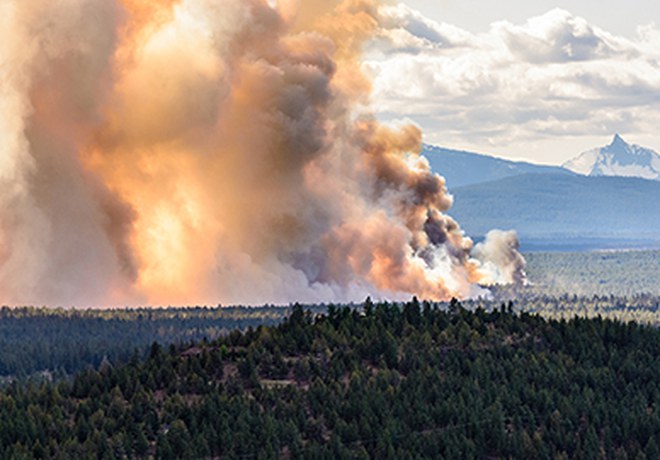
(612, 139)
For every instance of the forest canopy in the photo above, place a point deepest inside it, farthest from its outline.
(382, 381)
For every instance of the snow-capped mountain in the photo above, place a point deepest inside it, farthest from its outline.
(554, 208)
(617, 159)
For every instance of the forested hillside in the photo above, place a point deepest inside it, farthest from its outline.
(50, 344)
(387, 382)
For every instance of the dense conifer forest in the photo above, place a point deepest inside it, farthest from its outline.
(50, 344)
(384, 381)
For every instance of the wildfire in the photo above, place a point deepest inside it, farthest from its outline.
(195, 151)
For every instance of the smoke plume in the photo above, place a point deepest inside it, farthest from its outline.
(204, 152)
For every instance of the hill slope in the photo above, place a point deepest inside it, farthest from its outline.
(391, 383)
(560, 205)
(466, 168)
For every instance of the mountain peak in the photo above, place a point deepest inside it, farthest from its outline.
(617, 159)
(618, 140)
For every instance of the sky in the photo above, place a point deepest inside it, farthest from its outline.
(477, 15)
(540, 81)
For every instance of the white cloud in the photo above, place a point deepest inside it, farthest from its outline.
(408, 29)
(555, 76)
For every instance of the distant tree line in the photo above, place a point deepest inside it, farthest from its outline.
(620, 273)
(54, 343)
(641, 308)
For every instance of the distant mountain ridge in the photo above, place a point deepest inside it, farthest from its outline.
(554, 208)
(462, 168)
(619, 158)
(560, 206)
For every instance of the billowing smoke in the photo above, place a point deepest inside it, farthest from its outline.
(500, 260)
(196, 151)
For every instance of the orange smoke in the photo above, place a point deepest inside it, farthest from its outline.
(197, 152)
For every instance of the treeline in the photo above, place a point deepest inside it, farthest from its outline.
(641, 308)
(43, 343)
(387, 381)
(58, 342)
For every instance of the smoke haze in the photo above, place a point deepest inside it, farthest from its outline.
(204, 152)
